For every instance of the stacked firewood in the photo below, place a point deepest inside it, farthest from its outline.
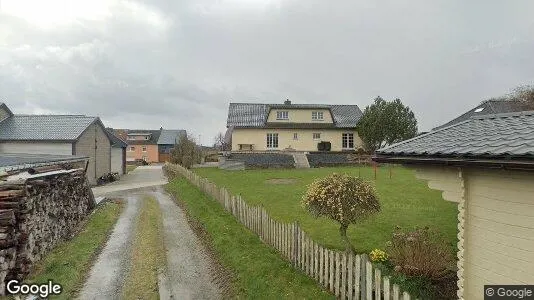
(35, 214)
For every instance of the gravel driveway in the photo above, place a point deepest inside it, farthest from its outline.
(187, 274)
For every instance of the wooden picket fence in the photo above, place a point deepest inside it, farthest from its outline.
(347, 276)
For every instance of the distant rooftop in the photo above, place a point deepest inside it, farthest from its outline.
(254, 115)
(488, 107)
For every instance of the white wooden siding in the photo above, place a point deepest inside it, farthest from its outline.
(116, 160)
(499, 230)
(496, 224)
(36, 148)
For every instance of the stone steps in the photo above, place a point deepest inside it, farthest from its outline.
(301, 160)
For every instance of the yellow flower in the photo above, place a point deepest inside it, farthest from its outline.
(378, 255)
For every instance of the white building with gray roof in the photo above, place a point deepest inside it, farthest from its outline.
(76, 135)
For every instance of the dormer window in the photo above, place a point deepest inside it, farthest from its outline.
(282, 115)
(317, 116)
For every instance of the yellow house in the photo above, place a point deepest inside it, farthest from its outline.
(294, 127)
(486, 165)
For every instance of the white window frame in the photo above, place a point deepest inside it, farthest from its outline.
(316, 136)
(143, 149)
(272, 141)
(282, 115)
(346, 139)
(295, 136)
(317, 116)
(131, 149)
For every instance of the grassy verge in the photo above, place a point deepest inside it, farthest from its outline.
(130, 168)
(260, 273)
(405, 201)
(69, 263)
(148, 254)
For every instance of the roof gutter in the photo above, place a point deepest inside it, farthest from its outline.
(457, 162)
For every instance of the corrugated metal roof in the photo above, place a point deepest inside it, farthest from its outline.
(170, 136)
(500, 135)
(44, 127)
(489, 107)
(254, 115)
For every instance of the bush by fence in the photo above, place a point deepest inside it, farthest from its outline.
(346, 275)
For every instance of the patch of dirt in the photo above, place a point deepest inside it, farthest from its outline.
(222, 277)
(281, 181)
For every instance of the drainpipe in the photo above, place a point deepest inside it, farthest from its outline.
(461, 232)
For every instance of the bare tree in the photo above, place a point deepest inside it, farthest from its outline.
(524, 94)
(220, 142)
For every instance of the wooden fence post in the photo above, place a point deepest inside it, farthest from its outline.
(378, 282)
(332, 270)
(369, 279)
(387, 289)
(344, 275)
(338, 275)
(350, 277)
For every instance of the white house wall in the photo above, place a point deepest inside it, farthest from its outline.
(36, 148)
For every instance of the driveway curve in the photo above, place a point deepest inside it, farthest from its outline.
(187, 274)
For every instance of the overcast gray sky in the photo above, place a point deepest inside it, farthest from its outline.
(177, 64)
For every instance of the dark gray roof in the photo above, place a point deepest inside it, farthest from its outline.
(44, 127)
(489, 107)
(17, 161)
(254, 115)
(170, 137)
(116, 142)
(493, 136)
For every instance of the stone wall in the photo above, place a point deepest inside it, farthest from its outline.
(36, 213)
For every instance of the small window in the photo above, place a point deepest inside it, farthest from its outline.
(272, 140)
(316, 136)
(295, 136)
(347, 141)
(282, 115)
(144, 149)
(479, 109)
(146, 137)
(317, 115)
(131, 138)
(132, 148)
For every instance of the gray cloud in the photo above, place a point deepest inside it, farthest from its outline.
(177, 64)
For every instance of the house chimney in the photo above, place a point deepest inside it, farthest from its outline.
(161, 128)
(287, 102)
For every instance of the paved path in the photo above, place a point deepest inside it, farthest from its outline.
(187, 275)
(142, 176)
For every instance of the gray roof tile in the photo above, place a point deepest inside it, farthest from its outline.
(255, 114)
(499, 135)
(170, 137)
(488, 107)
(45, 127)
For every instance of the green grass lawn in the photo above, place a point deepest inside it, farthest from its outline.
(70, 261)
(405, 200)
(259, 271)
